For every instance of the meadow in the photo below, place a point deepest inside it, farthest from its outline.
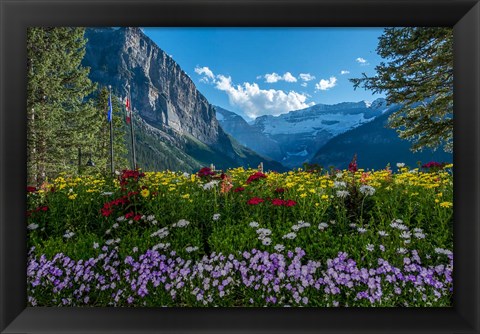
(241, 237)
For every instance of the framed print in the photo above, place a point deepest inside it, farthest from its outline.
(240, 166)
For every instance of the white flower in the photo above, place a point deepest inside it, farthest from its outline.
(353, 225)
(279, 247)
(181, 223)
(361, 230)
(406, 235)
(95, 245)
(417, 230)
(400, 164)
(154, 222)
(266, 241)
(339, 184)
(115, 225)
(117, 240)
(150, 218)
(367, 190)
(342, 193)
(291, 235)
(135, 249)
(106, 193)
(254, 224)
(68, 234)
(109, 242)
(161, 233)
(442, 251)
(32, 226)
(370, 247)
(120, 219)
(108, 231)
(295, 228)
(401, 250)
(322, 226)
(383, 233)
(210, 185)
(216, 216)
(419, 235)
(190, 249)
(186, 175)
(263, 233)
(339, 175)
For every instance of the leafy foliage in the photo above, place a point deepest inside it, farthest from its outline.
(419, 75)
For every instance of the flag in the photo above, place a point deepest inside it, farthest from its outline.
(127, 105)
(110, 111)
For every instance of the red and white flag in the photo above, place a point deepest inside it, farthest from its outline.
(127, 106)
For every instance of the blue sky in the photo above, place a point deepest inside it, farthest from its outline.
(260, 71)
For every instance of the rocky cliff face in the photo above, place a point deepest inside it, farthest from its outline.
(174, 115)
(162, 93)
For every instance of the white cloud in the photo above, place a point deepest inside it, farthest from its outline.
(288, 77)
(361, 61)
(304, 84)
(253, 100)
(274, 77)
(306, 76)
(204, 71)
(342, 72)
(326, 84)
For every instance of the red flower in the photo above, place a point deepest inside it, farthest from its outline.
(290, 202)
(106, 212)
(280, 190)
(129, 215)
(137, 217)
(278, 202)
(255, 201)
(205, 171)
(31, 189)
(432, 164)
(256, 176)
(238, 189)
(352, 167)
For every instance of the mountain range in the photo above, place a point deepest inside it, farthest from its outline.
(178, 129)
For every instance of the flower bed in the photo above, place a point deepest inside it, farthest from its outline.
(243, 238)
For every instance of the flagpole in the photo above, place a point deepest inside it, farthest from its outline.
(131, 130)
(112, 167)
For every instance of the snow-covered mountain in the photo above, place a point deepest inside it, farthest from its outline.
(294, 138)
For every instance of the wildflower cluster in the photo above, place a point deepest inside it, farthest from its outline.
(242, 237)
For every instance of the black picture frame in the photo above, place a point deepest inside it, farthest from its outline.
(462, 15)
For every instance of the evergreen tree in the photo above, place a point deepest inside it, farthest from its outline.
(418, 75)
(59, 118)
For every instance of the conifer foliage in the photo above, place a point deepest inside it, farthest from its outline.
(62, 117)
(418, 74)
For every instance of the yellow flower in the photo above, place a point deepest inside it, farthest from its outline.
(303, 195)
(446, 204)
(186, 196)
(145, 192)
(72, 196)
(324, 197)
